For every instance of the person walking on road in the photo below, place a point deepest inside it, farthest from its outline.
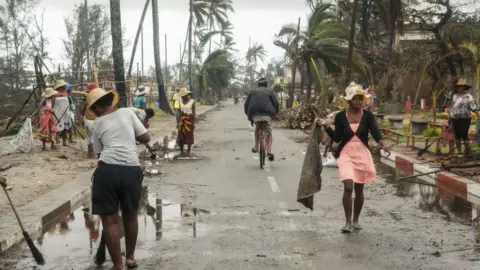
(355, 162)
(262, 106)
(117, 181)
(460, 119)
(186, 122)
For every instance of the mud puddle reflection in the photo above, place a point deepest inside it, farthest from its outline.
(429, 197)
(434, 199)
(72, 243)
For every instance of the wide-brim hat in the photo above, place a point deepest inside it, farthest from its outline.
(352, 90)
(59, 83)
(184, 91)
(96, 94)
(49, 92)
(463, 83)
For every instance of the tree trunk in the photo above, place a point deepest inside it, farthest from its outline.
(309, 84)
(162, 97)
(139, 31)
(117, 50)
(190, 35)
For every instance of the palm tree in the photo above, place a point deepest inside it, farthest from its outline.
(216, 72)
(254, 53)
(162, 97)
(117, 50)
(322, 43)
(217, 14)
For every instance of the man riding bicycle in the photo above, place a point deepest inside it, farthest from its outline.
(261, 105)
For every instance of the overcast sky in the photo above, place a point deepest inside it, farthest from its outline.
(257, 19)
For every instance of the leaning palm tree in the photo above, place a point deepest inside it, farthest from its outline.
(216, 72)
(322, 43)
(217, 14)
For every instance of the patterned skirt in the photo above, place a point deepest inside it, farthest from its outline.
(185, 129)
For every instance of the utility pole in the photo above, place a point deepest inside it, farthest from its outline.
(190, 83)
(88, 41)
(143, 66)
(351, 43)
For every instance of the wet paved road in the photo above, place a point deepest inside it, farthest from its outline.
(247, 218)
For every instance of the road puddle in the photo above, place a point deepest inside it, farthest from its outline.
(434, 199)
(72, 243)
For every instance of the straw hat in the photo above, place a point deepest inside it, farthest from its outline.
(96, 94)
(183, 92)
(49, 92)
(352, 90)
(463, 82)
(59, 83)
(140, 91)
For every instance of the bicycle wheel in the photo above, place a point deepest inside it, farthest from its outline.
(262, 153)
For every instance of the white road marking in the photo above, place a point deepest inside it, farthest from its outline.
(273, 184)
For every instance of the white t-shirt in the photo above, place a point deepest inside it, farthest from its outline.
(114, 137)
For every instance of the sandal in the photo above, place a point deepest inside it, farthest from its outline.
(357, 227)
(131, 265)
(271, 157)
(347, 229)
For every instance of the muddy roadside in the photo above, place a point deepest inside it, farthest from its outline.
(39, 172)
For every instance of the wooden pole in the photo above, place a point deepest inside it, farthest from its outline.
(351, 43)
(190, 26)
(166, 63)
(294, 68)
(181, 63)
(137, 36)
(143, 66)
(95, 72)
(89, 70)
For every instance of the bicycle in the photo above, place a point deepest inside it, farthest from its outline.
(261, 136)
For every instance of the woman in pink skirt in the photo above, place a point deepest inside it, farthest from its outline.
(355, 162)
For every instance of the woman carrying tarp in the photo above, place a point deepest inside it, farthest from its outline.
(186, 122)
(460, 119)
(354, 159)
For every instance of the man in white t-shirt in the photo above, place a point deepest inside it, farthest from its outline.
(117, 181)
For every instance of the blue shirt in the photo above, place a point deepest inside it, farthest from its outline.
(140, 102)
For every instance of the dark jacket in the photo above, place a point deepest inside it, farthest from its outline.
(343, 133)
(261, 102)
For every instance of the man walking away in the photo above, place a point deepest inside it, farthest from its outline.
(261, 105)
(117, 181)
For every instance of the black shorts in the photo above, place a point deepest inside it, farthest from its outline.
(460, 128)
(114, 187)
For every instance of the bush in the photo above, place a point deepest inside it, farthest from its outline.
(432, 132)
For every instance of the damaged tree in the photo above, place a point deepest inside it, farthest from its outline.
(117, 50)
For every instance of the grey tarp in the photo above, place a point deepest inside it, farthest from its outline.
(310, 177)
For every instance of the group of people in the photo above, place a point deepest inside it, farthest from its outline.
(57, 115)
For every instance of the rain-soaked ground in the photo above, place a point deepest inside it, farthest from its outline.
(72, 243)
